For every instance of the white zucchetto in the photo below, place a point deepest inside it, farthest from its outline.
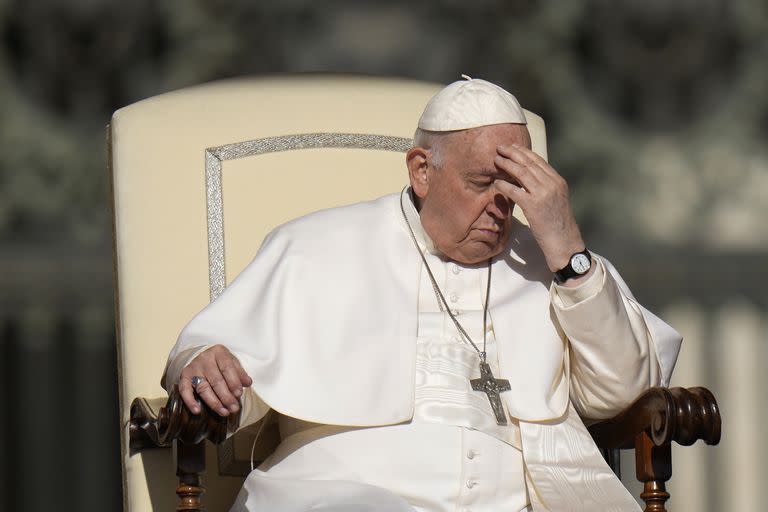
(470, 103)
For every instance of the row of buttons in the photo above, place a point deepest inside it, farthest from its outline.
(456, 271)
(471, 454)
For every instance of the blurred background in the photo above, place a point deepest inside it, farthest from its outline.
(657, 115)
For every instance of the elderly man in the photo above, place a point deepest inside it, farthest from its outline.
(428, 351)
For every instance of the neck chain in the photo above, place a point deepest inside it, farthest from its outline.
(442, 303)
(487, 384)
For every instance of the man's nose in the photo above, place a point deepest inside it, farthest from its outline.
(498, 206)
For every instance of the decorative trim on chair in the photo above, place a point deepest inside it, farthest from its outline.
(213, 179)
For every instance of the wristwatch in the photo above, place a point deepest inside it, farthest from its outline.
(579, 264)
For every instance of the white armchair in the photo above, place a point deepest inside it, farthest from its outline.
(199, 176)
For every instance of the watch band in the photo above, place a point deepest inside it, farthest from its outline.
(568, 271)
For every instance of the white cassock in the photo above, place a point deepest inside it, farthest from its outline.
(337, 323)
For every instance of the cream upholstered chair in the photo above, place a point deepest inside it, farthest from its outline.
(199, 176)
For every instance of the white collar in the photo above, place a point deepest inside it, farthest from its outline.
(414, 219)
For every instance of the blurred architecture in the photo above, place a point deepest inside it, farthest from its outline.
(657, 115)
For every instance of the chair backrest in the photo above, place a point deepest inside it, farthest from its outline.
(200, 175)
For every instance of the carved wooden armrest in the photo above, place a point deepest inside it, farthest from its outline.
(152, 426)
(650, 425)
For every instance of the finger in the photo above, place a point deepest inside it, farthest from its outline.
(206, 392)
(245, 379)
(188, 396)
(517, 194)
(534, 158)
(523, 156)
(516, 153)
(224, 359)
(221, 388)
(521, 173)
(549, 177)
(231, 376)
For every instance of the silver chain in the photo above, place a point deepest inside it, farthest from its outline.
(442, 303)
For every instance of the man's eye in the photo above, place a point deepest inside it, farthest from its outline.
(482, 183)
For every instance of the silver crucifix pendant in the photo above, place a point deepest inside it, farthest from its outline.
(491, 387)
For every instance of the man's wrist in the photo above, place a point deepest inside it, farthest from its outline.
(577, 281)
(579, 264)
(558, 254)
(579, 289)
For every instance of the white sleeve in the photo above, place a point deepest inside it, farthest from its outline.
(617, 348)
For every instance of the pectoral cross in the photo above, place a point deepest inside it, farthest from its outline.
(492, 387)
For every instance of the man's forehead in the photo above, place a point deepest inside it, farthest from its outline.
(480, 143)
(505, 133)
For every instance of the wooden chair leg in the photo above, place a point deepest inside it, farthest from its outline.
(190, 466)
(653, 466)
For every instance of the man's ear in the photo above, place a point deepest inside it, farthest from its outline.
(416, 161)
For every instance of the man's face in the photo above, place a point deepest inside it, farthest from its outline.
(460, 209)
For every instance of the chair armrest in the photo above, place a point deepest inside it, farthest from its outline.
(665, 414)
(151, 426)
(650, 425)
(154, 426)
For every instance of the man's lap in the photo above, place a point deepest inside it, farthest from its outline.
(422, 466)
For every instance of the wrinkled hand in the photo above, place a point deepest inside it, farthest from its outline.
(543, 196)
(223, 385)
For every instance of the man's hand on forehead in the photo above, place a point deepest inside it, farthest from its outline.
(542, 194)
(522, 160)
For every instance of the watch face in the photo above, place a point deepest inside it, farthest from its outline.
(580, 263)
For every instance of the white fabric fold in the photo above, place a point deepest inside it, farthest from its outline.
(567, 471)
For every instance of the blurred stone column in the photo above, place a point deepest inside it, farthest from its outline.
(741, 375)
(691, 465)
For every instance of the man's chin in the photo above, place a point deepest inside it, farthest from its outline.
(479, 252)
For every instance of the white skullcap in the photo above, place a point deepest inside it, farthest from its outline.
(468, 104)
